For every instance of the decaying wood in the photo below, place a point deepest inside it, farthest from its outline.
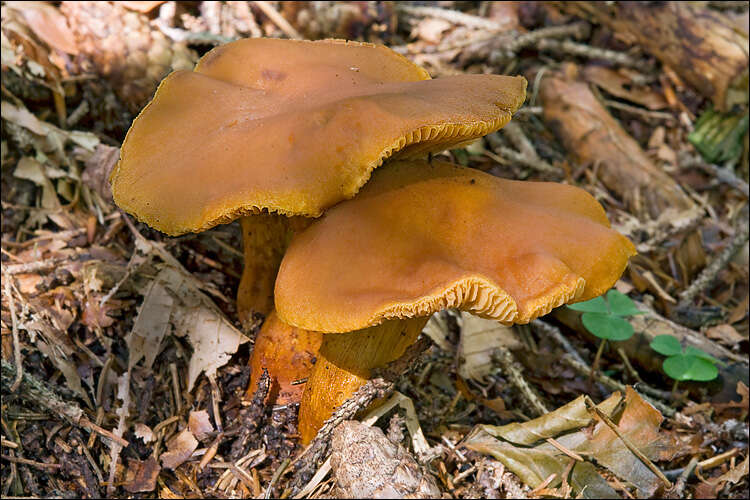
(696, 42)
(366, 464)
(648, 326)
(594, 137)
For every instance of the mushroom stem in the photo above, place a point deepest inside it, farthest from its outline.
(344, 363)
(265, 238)
(287, 353)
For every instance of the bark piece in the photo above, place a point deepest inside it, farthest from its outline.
(698, 43)
(366, 464)
(594, 137)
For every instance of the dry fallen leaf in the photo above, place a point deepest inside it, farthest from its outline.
(479, 339)
(725, 334)
(638, 421)
(141, 475)
(199, 423)
(621, 86)
(180, 448)
(143, 432)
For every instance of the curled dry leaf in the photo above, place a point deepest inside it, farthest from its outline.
(141, 475)
(479, 339)
(199, 423)
(620, 85)
(48, 24)
(180, 448)
(143, 432)
(639, 422)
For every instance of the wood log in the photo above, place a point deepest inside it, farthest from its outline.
(699, 44)
(734, 368)
(594, 137)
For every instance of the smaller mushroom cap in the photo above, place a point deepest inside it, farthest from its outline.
(422, 237)
(291, 127)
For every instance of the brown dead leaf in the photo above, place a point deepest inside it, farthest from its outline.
(430, 29)
(725, 334)
(620, 85)
(479, 339)
(143, 432)
(141, 475)
(180, 447)
(639, 422)
(199, 423)
(48, 24)
(95, 316)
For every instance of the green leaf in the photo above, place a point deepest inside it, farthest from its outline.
(595, 305)
(606, 326)
(694, 351)
(621, 305)
(666, 345)
(686, 367)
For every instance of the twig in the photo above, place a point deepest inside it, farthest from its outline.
(556, 334)
(722, 174)
(33, 267)
(32, 463)
(583, 369)
(707, 276)
(507, 51)
(43, 395)
(276, 475)
(16, 340)
(679, 487)
(583, 50)
(452, 16)
(514, 133)
(647, 113)
(515, 373)
(515, 156)
(278, 19)
(591, 406)
(215, 398)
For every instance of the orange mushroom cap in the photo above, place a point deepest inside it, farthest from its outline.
(291, 127)
(422, 237)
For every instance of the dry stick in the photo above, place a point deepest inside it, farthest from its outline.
(452, 16)
(276, 475)
(16, 340)
(707, 276)
(32, 463)
(722, 174)
(514, 371)
(575, 361)
(591, 406)
(583, 369)
(278, 19)
(514, 133)
(679, 487)
(33, 267)
(583, 50)
(576, 30)
(40, 393)
(380, 386)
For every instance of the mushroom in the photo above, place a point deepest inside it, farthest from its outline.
(286, 352)
(286, 128)
(421, 237)
(274, 131)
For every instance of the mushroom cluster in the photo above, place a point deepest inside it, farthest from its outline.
(276, 132)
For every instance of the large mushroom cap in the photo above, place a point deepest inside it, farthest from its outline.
(291, 127)
(419, 238)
